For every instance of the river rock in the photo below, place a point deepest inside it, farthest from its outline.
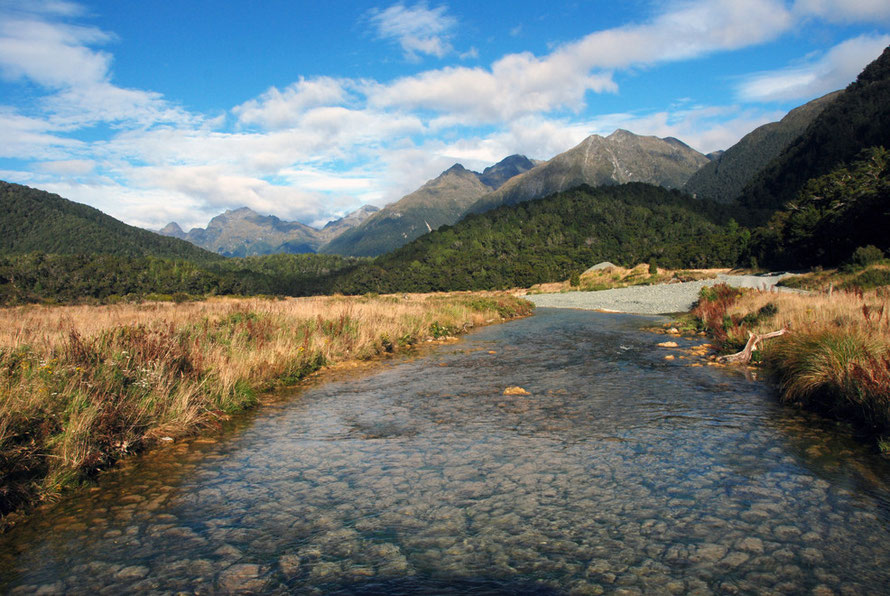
(242, 578)
(289, 565)
(133, 572)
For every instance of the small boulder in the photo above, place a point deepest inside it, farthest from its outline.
(515, 390)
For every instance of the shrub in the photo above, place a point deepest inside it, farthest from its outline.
(575, 280)
(653, 267)
(866, 255)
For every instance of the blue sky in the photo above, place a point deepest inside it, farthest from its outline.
(158, 111)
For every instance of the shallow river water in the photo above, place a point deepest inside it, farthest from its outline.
(620, 472)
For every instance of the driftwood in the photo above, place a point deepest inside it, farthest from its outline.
(745, 355)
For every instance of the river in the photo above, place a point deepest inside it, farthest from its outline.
(620, 472)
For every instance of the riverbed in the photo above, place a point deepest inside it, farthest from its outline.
(617, 472)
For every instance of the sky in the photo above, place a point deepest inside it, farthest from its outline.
(158, 111)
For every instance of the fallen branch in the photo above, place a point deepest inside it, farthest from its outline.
(745, 355)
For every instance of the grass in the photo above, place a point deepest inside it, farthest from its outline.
(865, 278)
(82, 386)
(836, 358)
(621, 277)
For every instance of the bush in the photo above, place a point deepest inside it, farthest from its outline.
(575, 280)
(653, 267)
(866, 255)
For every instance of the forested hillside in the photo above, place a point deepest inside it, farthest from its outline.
(832, 216)
(547, 239)
(857, 119)
(34, 220)
(40, 277)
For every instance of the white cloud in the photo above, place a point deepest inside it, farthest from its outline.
(51, 54)
(833, 70)
(418, 29)
(845, 11)
(276, 109)
(67, 167)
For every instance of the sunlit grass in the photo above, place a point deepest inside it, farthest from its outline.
(81, 386)
(836, 357)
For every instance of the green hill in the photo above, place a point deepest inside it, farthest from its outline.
(37, 221)
(546, 239)
(859, 118)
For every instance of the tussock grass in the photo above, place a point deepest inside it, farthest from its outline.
(836, 359)
(81, 386)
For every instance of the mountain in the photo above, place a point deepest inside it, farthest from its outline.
(244, 232)
(441, 201)
(857, 119)
(602, 161)
(34, 220)
(336, 227)
(724, 178)
(547, 239)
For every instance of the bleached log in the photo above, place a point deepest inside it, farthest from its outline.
(745, 355)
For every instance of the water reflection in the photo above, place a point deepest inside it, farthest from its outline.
(619, 472)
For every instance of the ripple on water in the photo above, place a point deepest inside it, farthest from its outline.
(617, 473)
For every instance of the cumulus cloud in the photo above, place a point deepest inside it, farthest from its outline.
(833, 70)
(522, 84)
(418, 29)
(276, 109)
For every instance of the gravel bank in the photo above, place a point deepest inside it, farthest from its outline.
(650, 300)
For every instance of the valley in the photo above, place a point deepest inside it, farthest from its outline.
(626, 367)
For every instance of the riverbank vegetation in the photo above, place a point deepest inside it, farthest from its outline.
(835, 359)
(81, 386)
(607, 278)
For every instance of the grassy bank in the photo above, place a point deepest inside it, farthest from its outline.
(81, 386)
(836, 358)
(622, 277)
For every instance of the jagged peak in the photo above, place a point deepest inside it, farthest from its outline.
(622, 133)
(456, 169)
(171, 227)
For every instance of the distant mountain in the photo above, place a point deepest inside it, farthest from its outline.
(723, 178)
(602, 161)
(244, 232)
(441, 201)
(857, 119)
(35, 220)
(336, 227)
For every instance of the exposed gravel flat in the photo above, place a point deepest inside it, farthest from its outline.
(650, 300)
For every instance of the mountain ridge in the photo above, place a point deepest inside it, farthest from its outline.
(724, 178)
(440, 201)
(244, 232)
(619, 158)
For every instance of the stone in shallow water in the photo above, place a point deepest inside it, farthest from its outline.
(131, 573)
(752, 545)
(289, 565)
(242, 578)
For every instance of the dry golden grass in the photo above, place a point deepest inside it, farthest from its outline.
(81, 386)
(836, 358)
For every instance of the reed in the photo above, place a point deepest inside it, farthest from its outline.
(82, 386)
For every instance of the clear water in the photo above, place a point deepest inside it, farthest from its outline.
(621, 472)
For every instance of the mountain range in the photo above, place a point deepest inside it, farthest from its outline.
(597, 161)
(244, 232)
(441, 201)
